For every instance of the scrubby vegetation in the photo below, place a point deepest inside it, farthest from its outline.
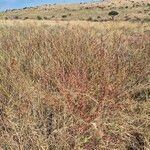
(65, 87)
(39, 18)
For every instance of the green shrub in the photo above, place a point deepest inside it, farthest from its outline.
(113, 14)
(90, 19)
(146, 20)
(25, 18)
(45, 18)
(6, 18)
(64, 16)
(39, 17)
(95, 20)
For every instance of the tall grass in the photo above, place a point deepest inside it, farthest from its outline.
(71, 87)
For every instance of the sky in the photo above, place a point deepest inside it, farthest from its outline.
(13, 4)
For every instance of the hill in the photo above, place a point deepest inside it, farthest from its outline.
(97, 11)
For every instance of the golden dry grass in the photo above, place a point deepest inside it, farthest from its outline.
(74, 85)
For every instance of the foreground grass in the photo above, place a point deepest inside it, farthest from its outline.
(66, 86)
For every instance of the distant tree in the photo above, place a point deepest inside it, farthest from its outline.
(113, 14)
(64, 16)
(39, 17)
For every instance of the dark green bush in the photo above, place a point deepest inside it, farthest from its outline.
(64, 16)
(39, 17)
(89, 19)
(146, 20)
(45, 18)
(6, 18)
(113, 14)
(25, 18)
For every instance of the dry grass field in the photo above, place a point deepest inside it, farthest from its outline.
(74, 85)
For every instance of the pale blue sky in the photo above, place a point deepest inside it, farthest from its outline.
(12, 4)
